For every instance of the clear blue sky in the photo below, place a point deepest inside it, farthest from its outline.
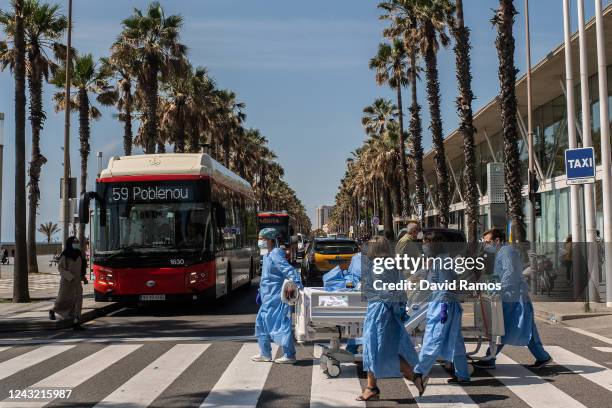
(301, 68)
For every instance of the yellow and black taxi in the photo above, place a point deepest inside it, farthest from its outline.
(324, 254)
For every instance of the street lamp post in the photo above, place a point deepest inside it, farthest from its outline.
(66, 192)
(604, 120)
(531, 232)
(575, 215)
(587, 141)
(1, 167)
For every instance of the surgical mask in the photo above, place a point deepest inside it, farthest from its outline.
(490, 248)
(427, 250)
(420, 235)
(262, 244)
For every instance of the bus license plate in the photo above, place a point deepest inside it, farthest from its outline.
(152, 297)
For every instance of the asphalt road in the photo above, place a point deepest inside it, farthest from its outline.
(189, 355)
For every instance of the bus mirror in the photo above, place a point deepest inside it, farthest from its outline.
(84, 209)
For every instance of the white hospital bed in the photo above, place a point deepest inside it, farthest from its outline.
(334, 316)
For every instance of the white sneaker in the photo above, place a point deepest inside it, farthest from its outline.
(261, 359)
(285, 360)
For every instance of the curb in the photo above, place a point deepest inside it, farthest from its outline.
(90, 314)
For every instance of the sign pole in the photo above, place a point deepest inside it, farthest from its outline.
(66, 195)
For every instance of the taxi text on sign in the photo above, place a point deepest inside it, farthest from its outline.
(580, 165)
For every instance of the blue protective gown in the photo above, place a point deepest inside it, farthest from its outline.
(273, 322)
(384, 337)
(518, 310)
(443, 339)
(519, 324)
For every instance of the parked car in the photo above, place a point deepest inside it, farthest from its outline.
(323, 255)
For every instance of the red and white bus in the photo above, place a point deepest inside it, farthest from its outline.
(171, 227)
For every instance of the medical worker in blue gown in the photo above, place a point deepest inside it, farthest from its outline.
(442, 338)
(519, 324)
(273, 322)
(387, 348)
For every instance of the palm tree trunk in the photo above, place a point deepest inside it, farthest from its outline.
(20, 271)
(84, 149)
(466, 127)
(504, 20)
(405, 183)
(127, 119)
(35, 79)
(387, 209)
(226, 148)
(152, 88)
(433, 96)
(415, 132)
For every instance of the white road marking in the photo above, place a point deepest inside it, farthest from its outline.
(29, 359)
(592, 335)
(142, 389)
(334, 392)
(604, 349)
(76, 374)
(203, 339)
(532, 389)
(3, 348)
(440, 394)
(242, 381)
(593, 372)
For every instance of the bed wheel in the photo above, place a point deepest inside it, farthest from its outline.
(333, 369)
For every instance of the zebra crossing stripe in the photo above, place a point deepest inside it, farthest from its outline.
(604, 349)
(593, 372)
(440, 394)
(29, 359)
(530, 388)
(334, 392)
(76, 374)
(142, 389)
(596, 336)
(242, 381)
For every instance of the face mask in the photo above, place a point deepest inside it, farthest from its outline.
(490, 248)
(420, 235)
(262, 244)
(427, 250)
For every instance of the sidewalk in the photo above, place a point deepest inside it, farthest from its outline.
(562, 311)
(43, 290)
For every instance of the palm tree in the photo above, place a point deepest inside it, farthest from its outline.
(154, 40)
(121, 67)
(504, 21)
(177, 105)
(432, 17)
(17, 33)
(44, 26)
(466, 127)
(391, 68)
(87, 80)
(402, 16)
(48, 229)
(377, 117)
(232, 116)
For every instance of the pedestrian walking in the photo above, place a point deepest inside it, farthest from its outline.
(519, 323)
(388, 351)
(72, 268)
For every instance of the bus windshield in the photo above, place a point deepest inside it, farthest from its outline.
(279, 224)
(152, 223)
